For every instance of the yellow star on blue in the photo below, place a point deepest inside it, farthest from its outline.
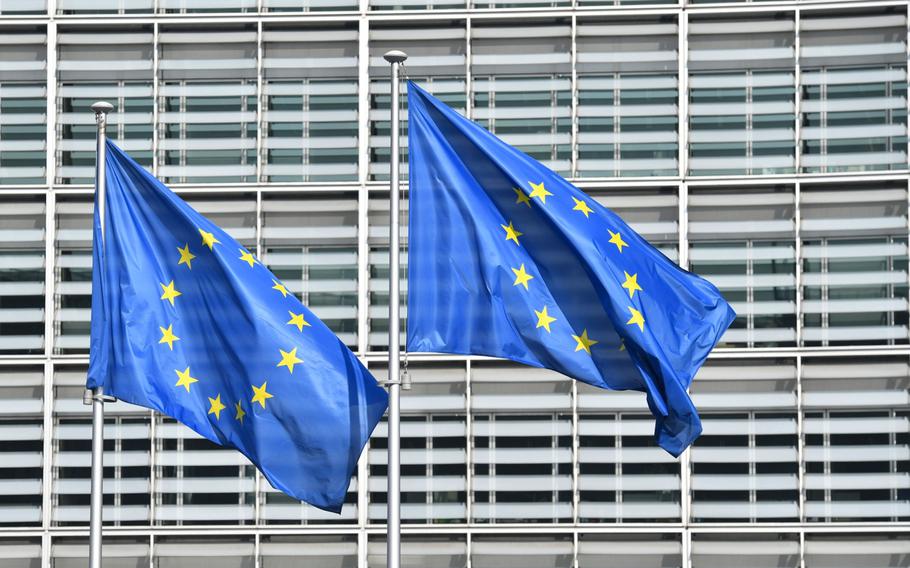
(289, 359)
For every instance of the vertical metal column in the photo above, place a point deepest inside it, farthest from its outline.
(96, 397)
(394, 463)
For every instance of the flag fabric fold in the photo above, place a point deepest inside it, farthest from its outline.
(507, 259)
(188, 322)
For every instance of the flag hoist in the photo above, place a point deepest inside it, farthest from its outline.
(393, 513)
(96, 396)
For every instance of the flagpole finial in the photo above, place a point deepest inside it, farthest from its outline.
(395, 56)
(102, 107)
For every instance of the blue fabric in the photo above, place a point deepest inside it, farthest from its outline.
(303, 423)
(474, 290)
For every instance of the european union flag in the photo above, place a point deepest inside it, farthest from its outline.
(507, 259)
(188, 322)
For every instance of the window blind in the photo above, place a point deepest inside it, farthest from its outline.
(22, 275)
(742, 96)
(522, 89)
(437, 62)
(310, 111)
(854, 92)
(115, 67)
(310, 243)
(854, 264)
(627, 98)
(747, 251)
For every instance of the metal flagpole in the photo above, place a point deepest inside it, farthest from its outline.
(394, 463)
(96, 397)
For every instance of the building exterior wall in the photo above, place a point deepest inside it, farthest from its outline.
(762, 144)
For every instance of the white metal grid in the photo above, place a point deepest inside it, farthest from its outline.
(686, 533)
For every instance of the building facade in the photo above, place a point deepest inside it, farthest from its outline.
(763, 144)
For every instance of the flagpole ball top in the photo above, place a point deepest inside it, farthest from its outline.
(102, 107)
(395, 56)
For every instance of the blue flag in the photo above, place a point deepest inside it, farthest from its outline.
(507, 259)
(188, 322)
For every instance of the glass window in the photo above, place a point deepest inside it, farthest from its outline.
(21, 449)
(24, 7)
(205, 6)
(766, 551)
(741, 96)
(744, 465)
(81, 7)
(292, 551)
(521, 83)
(522, 551)
(73, 270)
(310, 116)
(444, 551)
(308, 5)
(627, 98)
(23, 104)
(653, 214)
(310, 244)
(508, 4)
(22, 275)
(854, 249)
(127, 455)
(629, 550)
(857, 448)
(418, 4)
(857, 549)
(522, 445)
(379, 270)
(117, 552)
(742, 240)
(854, 91)
(436, 62)
(623, 476)
(433, 448)
(194, 552)
(108, 65)
(207, 98)
(20, 553)
(199, 482)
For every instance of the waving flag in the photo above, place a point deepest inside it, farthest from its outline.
(507, 259)
(188, 322)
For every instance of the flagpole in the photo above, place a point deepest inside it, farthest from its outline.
(96, 397)
(396, 58)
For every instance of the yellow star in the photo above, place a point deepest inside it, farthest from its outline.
(580, 205)
(185, 379)
(521, 277)
(167, 336)
(208, 239)
(511, 233)
(636, 318)
(622, 344)
(186, 257)
(261, 395)
(521, 197)
(289, 359)
(543, 319)
(215, 406)
(298, 320)
(631, 283)
(616, 239)
(245, 256)
(240, 412)
(169, 293)
(539, 191)
(584, 342)
(280, 287)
